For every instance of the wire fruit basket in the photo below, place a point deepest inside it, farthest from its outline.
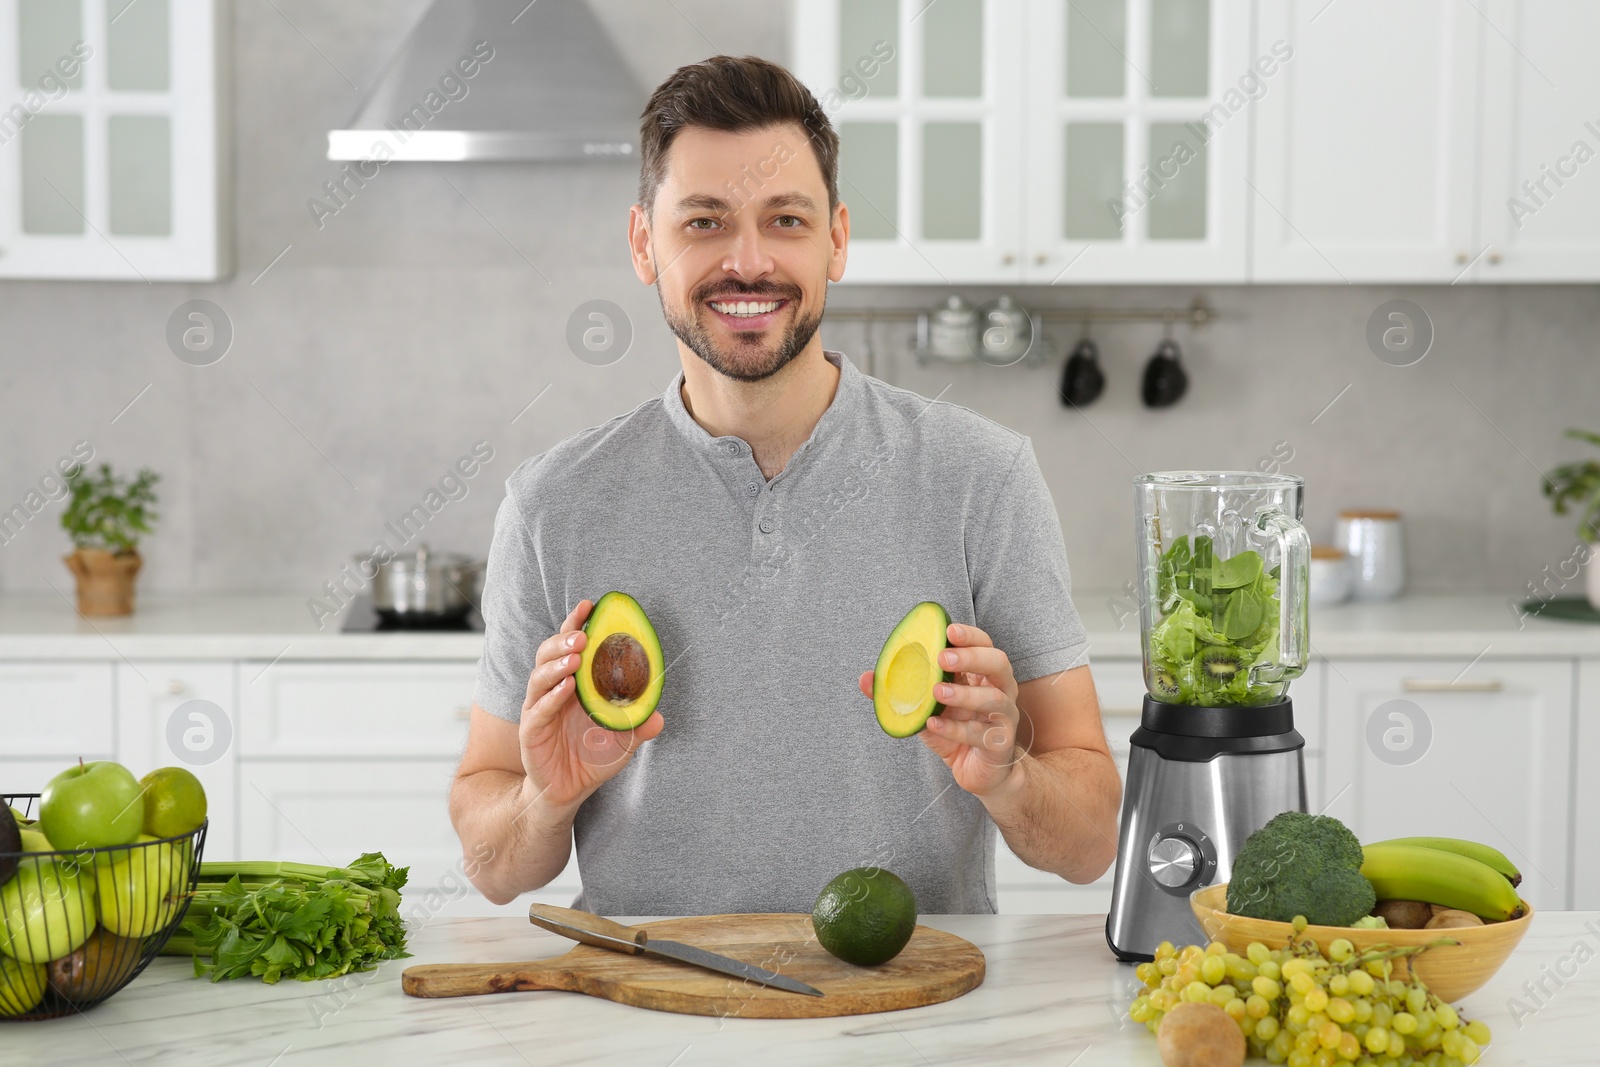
(76, 927)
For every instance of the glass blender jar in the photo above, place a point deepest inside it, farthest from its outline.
(1223, 572)
(1224, 565)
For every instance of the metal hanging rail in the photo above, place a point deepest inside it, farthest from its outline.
(1197, 314)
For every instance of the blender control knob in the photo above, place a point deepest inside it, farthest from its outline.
(1174, 861)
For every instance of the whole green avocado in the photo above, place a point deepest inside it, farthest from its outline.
(1300, 864)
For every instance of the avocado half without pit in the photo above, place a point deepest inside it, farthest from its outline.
(620, 671)
(908, 669)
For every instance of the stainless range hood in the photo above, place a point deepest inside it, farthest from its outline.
(500, 80)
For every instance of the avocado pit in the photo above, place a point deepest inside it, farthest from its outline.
(621, 668)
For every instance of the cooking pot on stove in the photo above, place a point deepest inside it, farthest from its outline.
(427, 584)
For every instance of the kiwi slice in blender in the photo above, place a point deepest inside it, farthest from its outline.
(1220, 662)
(1164, 685)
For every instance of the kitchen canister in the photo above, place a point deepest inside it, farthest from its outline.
(1330, 576)
(1375, 543)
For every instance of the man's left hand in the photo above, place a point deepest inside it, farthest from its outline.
(976, 734)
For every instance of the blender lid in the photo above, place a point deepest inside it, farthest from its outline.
(1219, 479)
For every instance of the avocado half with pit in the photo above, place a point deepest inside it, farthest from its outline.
(620, 671)
(907, 670)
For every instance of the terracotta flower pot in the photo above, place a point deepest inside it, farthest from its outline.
(105, 580)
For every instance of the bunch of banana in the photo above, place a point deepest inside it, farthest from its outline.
(1462, 875)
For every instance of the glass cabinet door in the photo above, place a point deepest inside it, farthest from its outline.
(926, 100)
(1137, 132)
(109, 160)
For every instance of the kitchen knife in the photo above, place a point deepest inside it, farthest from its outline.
(603, 933)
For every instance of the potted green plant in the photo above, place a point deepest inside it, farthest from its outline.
(1578, 484)
(106, 517)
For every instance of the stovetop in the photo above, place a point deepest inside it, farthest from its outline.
(363, 618)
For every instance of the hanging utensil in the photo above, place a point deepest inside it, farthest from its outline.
(1082, 380)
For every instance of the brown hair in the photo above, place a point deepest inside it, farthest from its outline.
(732, 94)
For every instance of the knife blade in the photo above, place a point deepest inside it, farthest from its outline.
(603, 933)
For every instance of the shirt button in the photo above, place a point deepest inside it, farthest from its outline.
(766, 525)
(733, 448)
(754, 489)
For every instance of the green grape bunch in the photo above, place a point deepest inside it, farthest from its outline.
(1297, 1006)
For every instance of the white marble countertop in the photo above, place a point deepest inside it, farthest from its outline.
(270, 625)
(1052, 995)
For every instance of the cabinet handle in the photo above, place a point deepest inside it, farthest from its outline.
(1461, 259)
(175, 686)
(1440, 685)
(1008, 258)
(1494, 257)
(464, 713)
(1041, 258)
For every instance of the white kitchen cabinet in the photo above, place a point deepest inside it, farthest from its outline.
(56, 710)
(1034, 140)
(927, 102)
(1136, 140)
(1586, 791)
(182, 714)
(1480, 751)
(1541, 154)
(113, 140)
(319, 709)
(1365, 152)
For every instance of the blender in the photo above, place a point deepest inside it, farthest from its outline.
(1223, 564)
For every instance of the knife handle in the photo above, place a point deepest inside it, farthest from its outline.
(587, 928)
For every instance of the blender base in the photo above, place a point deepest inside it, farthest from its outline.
(1200, 781)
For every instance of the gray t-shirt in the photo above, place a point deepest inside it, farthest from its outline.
(770, 598)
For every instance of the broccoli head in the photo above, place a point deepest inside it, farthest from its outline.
(1301, 864)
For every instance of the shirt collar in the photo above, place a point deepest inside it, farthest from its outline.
(845, 398)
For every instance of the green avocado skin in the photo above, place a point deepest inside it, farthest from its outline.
(900, 725)
(10, 841)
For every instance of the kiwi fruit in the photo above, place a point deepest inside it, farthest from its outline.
(1164, 685)
(1404, 914)
(1220, 662)
(1451, 919)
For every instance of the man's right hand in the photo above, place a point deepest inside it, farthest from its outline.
(565, 754)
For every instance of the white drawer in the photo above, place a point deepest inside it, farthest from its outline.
(56, 710)
(354, 709)
(332, 811)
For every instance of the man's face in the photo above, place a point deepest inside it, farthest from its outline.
(740, 246)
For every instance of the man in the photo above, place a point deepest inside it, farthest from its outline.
(775, 513)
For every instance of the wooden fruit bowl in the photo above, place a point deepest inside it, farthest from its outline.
(1449, 971)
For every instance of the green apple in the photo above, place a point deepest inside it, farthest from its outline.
(21, 987)
(34, 841)
(140, 889)
(92, 805)
(46, 911)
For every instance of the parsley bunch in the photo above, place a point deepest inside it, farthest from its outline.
(294, 920)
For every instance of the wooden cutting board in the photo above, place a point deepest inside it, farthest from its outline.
(934, 966)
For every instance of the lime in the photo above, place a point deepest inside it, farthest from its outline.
(865, 916)
(174, 802)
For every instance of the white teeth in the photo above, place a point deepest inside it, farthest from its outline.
(746, 307)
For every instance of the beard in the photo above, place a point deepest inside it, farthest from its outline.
(747, 358)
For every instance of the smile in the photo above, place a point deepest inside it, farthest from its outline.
(745, 308)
